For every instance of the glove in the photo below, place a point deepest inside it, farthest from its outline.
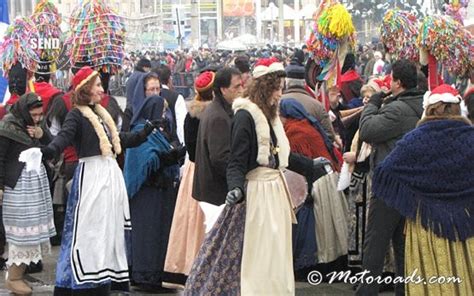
(150, 126)
(234, 196)
(377, 99)
(319, 169)
(173, 156)
(48, 153)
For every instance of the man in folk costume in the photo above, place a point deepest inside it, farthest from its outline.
(249, 249)
(384, 121)
(428, 179)
(97, 209)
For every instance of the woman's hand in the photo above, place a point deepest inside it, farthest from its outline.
(34, 131)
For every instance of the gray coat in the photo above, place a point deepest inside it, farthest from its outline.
(213, 152)
(383, 127)
(312, 106)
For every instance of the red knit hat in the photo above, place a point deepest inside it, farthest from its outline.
(84, 75)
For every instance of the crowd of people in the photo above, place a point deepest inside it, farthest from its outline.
(235, 190)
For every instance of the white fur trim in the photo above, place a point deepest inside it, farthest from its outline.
(430, 99)
(262, 70)
(263, 133)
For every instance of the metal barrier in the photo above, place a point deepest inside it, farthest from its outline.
(183, 83)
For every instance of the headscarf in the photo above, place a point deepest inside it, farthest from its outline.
(151, 109)
(293, 109)
(144, 160)
(139, 92)
(13, 125)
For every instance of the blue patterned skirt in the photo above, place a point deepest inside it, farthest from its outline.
(216, 270)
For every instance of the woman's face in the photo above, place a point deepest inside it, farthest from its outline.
(276, 95)
(152, 87)
(96, 91)
(36, 114)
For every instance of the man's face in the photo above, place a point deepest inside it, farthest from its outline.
(152, 88)
(235, 89)
(395, 87)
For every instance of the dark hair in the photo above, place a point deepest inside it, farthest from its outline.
(242, 63)
(224, 78)
(143, 63)
(164, 73)
(83, 95)
(104, 79)
(422, 82)
(469, 100)
(405, 71)
(260, 92)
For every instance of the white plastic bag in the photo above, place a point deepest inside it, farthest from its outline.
(344, 177)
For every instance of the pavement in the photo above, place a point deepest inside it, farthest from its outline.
(43, 283)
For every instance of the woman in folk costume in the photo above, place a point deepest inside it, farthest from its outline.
(248, 251)
(306, 137)
(93, 247)
(151, 175)
(428, 178)
(27, 207)
(329, 205)
(187, 230)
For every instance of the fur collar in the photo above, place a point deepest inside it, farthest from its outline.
(196, 108)
(263, 133)
(461, 118)
(104, 143)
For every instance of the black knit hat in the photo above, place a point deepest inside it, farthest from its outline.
(295, 71)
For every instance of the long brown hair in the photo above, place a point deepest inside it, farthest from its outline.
(83, 95)
(260, 92)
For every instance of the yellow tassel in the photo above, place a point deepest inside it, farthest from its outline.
(339, 22)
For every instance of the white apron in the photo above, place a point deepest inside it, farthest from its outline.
(100, 219)
(267, 258)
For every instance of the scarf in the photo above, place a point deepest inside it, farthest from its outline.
(13, 126)
(142, 161)
(305, 140)
(104, 143)
(430, 173)
(291, 108)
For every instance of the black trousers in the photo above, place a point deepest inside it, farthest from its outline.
(383, 224)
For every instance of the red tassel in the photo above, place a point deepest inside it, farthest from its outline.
(433, 77)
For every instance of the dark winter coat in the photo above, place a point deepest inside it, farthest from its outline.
(212, 152)
(382, 127)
